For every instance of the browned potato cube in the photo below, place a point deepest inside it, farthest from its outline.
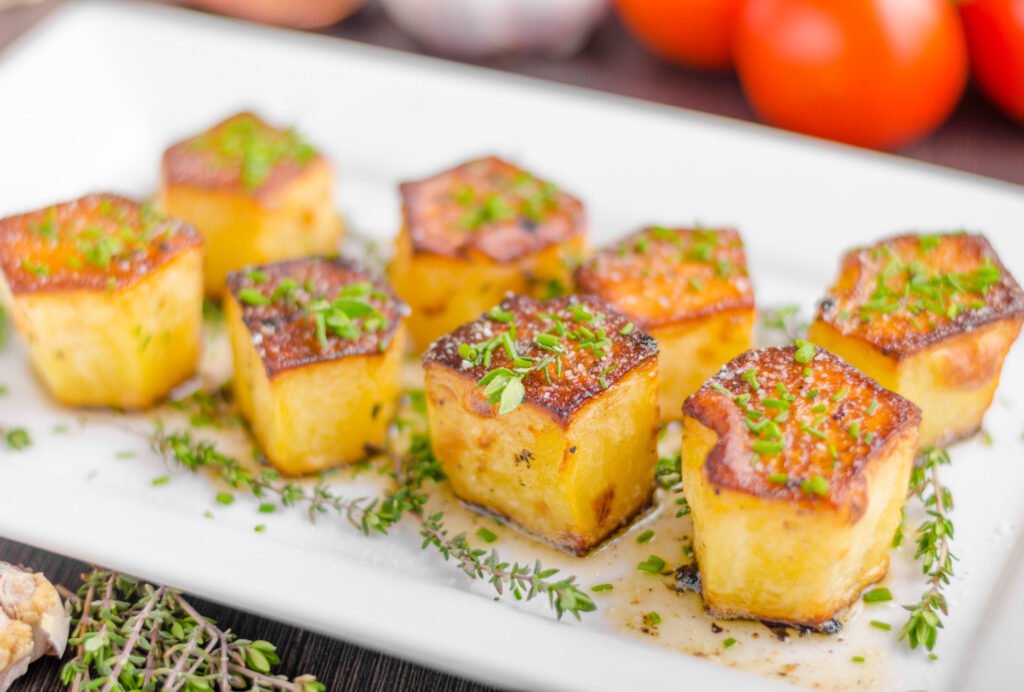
(108, 295)
(318, 347)
(686, 287)
(931, 317)
(796, 466)
(257, 194)
(545, 415)
(476, 232)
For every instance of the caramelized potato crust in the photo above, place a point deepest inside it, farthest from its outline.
(488, 207)
(108, 296)
(795, 466)
(545, 414)
(317, 346)
(662, 276)
(275, 301)
(476, 232)
(240, 155)
(686, 287)
(257, 194)
(575, 374)
(100, 242)
(931, 317)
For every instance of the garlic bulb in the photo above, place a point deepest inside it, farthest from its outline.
(33, 621)
(477, 28)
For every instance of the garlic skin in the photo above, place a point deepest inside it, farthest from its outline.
(33, 621)
(480, 28)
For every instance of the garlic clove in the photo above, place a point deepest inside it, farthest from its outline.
(16, 644)
(33, 600)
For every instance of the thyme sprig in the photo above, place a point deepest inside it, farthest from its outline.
(933, 537)
(128, 635)
(413, 470)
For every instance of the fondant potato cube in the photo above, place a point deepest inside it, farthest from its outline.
(476, 232)
(545, 415)
(796, 467)
(689, 289)
(108, 296)
(931, 317)
(255, 192)
(317, 347)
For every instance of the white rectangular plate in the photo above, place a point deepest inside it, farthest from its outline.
(89, 102)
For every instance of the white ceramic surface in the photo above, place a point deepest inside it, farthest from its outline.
(90, 99)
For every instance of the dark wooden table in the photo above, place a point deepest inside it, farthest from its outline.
(976, 139)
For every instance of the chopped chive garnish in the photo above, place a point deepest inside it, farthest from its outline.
(816, 485)
(729, 643)
(224, 498)
(486, 535)
(854, 430)
(872, 407)
(751, 378)
(161, 480)
(627, 329)
(252, 296)
(812, 431)
(778, 478)
(645, 536)
(598, 588)
(839, 395)
(653, 618)
(652, 565)
(805, 351)
(767, 447)
(857, 659)
(879, 595)
(881, 625)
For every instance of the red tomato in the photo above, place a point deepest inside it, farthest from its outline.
(995, 38)
(875, 73)
(697, 33)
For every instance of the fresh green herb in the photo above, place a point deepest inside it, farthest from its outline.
(668, 471)
(815, 485)
(260, 528)
(813, 431)
(160, 480)
(750, 376)
(652, 565)
(857, 659)
(224, 498)
(645, 537)
(787, 320)
(253, 296)
(881, 625)
(486, 535)
(879, 595)
(598, 588)
(729, 642)
(778, 478)
(627, 329)
(933, 536)
(872, 407)
(16, 439)
(379, 515)
(805, 351)
(767, 447)
(652, 619)
(126, 634)
(253, 148)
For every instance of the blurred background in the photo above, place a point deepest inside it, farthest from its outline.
(937, 80)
